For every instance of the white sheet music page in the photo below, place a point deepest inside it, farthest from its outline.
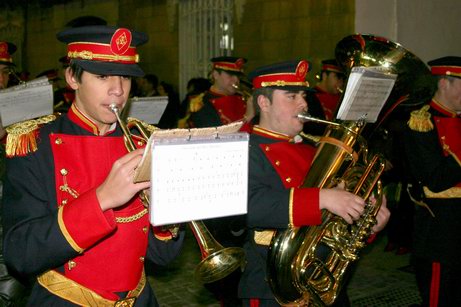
(148, 109)
(198, 179)
(26, 101)
(366, 92)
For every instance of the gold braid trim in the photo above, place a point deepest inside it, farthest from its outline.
(420, 120)
(132, 218)
(73, 292)
(264, 237)
(21, 137)
(454, 192)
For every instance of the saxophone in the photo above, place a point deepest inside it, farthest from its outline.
(308, 265)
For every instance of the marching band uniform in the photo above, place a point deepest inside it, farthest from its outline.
(433, 149)
(277, 167)
(324, 98)
(329, 101)
(55, 228)
(211, 109)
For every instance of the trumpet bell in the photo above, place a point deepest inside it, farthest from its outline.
(220, 264)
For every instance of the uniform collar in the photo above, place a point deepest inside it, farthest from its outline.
(79, 118)
(272, 134)
(443, 109)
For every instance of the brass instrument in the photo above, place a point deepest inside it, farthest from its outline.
(243, 88)
(307, 265)
(217, 261)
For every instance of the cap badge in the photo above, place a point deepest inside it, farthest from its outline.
(120, 41)
(301, 69)
(239, 63)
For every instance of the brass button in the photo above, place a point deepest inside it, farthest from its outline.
(58, 141)
(277, 163)
(71, 264)
(145, 229)
(141, 259)
(288, 179)
(63, 202)
(64, 172)
(141, 143)
(266, 148)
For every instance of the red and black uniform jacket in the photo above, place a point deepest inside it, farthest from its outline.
(218, 110)
(53, 220)
(433, 159)
(277, 168)
(328, 101)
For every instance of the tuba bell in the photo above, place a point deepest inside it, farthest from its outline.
(217, 261)
(308, 265)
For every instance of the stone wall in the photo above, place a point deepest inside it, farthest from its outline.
(276, 30)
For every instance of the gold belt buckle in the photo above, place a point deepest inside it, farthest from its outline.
(125, 302)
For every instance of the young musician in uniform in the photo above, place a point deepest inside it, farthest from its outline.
(323, 100)
(278, 164)
(73, 218)
(223, 103)
(433, 149)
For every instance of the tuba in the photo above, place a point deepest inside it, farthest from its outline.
(308, 265)
(217, 261)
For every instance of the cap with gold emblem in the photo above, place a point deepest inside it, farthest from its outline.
(446, 66)
(232, 65)
(285, 75)
(104, 50)
(6, 50)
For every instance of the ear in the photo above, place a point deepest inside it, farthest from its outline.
(70, 79)
(263, 103)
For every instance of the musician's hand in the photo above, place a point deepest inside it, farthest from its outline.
(340, 202)
(382, 217)
(118, 187)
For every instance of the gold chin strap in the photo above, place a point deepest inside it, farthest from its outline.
(73, 292)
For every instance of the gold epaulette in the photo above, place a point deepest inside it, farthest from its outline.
(420, 120)
(21, 137)
(196, 103)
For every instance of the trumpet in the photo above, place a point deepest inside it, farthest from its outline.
(217, 261)
(243, 88)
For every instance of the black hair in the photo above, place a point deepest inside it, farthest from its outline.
(76, 71)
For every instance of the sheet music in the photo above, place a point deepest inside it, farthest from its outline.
(148, 109)
(26, 101)
(198, 179)
(366, 92)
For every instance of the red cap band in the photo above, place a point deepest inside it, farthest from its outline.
(446, 71)
(118, 50)
(297, 78)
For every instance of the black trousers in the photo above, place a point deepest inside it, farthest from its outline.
(438, 283)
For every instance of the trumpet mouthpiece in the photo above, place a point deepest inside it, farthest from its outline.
(114, 108)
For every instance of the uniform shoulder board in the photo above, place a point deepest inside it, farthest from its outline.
(420, 120)
(21, 137)
(196, 103)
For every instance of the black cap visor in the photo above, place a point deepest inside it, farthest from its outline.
(110, 69)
